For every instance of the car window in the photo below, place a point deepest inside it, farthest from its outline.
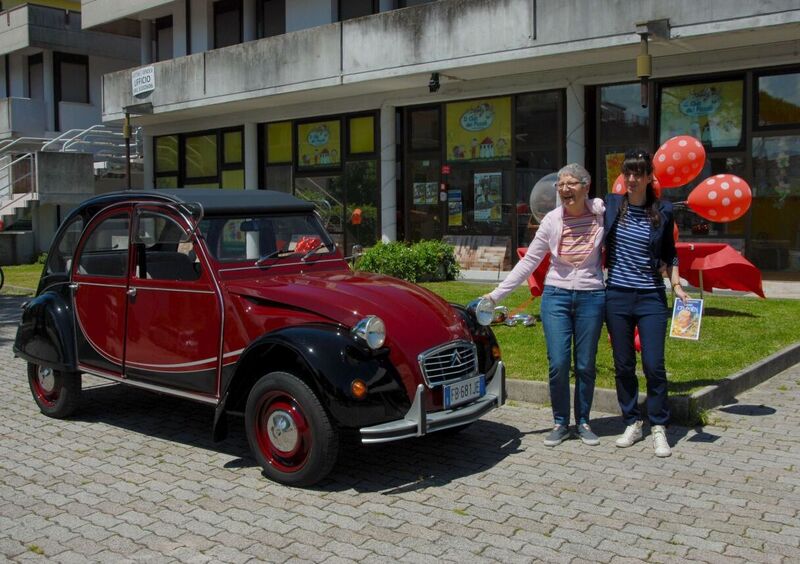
(163, 251)
(60, 258)
(105, 252)
(251, 238)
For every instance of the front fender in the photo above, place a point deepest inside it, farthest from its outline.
(46, 333)
(328, 358)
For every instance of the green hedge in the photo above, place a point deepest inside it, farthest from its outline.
(426, 261)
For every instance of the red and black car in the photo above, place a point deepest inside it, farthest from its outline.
(241, 300)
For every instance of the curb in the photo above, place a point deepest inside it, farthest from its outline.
(686, 409)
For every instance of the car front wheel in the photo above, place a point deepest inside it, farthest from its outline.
(290, 434)
(56, 393)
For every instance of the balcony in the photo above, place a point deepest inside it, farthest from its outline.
(21, 117)
(460, 39)
(43, 27)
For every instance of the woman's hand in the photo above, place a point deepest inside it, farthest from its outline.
(680, 293)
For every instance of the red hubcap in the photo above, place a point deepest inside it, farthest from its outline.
(45, 386)
(283, 433)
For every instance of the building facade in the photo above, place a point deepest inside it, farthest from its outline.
(437, 119)
(50, 90)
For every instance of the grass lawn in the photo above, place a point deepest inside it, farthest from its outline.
(21, 280)
(736, 332)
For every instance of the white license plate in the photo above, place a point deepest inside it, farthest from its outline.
(464, 391)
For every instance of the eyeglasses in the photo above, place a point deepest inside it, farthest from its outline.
(572, 185)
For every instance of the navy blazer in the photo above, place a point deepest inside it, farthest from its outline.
(662, 240)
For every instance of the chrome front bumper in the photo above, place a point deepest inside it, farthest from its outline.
(418, 422)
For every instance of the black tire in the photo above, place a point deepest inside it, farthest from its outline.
(2, 278)
(289, 432)
(56, 393)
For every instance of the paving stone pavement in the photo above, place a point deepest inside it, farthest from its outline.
(134, 477)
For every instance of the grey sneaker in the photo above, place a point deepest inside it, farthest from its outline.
(660, 442)
(557, 435)
(632, 434)
(587, 435)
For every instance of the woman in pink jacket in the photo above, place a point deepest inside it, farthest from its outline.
(573, 301)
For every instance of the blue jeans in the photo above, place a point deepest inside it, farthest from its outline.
(572, 320)
(626, 309)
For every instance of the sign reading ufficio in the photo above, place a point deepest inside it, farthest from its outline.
(143, 80)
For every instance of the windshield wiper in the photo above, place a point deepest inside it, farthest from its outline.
(279, 253)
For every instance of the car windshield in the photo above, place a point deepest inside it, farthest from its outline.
(264, 237)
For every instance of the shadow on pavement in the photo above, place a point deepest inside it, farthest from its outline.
(408, 465)
(11, 309)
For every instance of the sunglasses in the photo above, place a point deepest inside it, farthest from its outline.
(637, 154)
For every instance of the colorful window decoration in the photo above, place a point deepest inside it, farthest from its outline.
(479, 130)
(319, 145)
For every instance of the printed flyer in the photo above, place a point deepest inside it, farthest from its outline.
(488, 195)
(686, 318)
(455, 209)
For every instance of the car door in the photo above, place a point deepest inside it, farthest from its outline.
(99, 282)
(174, 315)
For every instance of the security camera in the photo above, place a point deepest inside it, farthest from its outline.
(433, 83)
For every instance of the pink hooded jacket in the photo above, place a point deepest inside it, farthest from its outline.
(587, 276)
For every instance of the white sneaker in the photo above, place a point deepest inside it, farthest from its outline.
(632, 434)
(660, 441)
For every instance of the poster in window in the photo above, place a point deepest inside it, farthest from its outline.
(613, 169)
(686, 318)
(479, 130)
(319, 145)
(710, 111)
(455, 209)
(425, 193)
(488, 196)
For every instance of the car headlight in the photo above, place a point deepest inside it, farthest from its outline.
(483, 309)
(371, 330)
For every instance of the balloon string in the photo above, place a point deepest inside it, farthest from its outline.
(522, 307)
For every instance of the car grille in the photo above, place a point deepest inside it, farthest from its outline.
(448, 362)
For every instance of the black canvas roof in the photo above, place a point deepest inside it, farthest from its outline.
(214, 202)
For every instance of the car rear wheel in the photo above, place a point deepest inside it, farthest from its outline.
(290, 434)
(56, 393)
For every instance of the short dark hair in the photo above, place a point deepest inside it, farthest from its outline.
(637, 161)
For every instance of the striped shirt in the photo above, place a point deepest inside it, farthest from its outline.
(629, 252)
(577, 237)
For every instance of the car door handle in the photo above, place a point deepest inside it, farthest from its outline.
(73, 286)
(131, 292)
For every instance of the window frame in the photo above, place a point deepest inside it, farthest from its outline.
(70, 58)
(222, 7)
(375, 9)
(758, 74)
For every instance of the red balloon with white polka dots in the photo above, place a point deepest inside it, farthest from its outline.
(721, 198)
(678, 161)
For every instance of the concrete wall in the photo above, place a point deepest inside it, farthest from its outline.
(22, 117)
(64, 178)
(270, 65)
(14, 30)
(97, 12)
(457, 38)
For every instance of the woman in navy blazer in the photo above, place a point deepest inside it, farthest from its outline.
(640, 245)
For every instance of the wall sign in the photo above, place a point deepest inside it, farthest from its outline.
(143, 80)
(479, 130)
